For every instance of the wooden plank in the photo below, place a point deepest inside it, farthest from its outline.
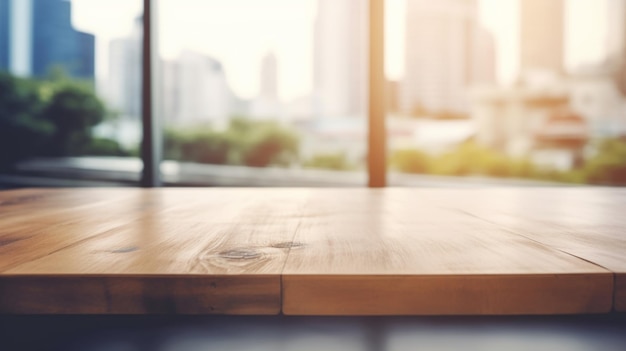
(394, 251)
(335, 251)
(183, 240)
(55, 207)
(619, 300)
(439, 294)
(34, 224)
(139, 294)
(584, 222)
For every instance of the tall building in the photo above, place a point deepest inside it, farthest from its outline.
(340, 61)
(4, 35)
(616, 41)
(447, 52)
(266, 104)
(19, 37)
(57, 43)
(124, 80)
(269, 76)
(542, 38)
(195, 90)
(483, 56)
(616, 27)
(37, 35)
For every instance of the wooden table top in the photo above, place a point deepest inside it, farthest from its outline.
(393, 251)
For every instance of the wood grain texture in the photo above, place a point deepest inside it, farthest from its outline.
(588, 223)
(619, 302)
(35, 223)
(130, 294)
(313, 251)
(465, 294)
(184, 239)
(428, 259)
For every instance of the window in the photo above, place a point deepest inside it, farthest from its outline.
(506, 92)
(284, 92)
(264, 93)
(70, 74)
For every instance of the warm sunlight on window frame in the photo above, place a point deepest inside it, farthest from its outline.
(151, 145)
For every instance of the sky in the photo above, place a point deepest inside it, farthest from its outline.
(240, 32)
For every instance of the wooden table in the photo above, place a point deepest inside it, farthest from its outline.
(394, 251)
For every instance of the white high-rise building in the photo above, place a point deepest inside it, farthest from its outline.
(123, 91)
(20, 40)
(269, 76)
(447, 52)
(340, 61)
(267, 104)
(201, 91)
(542, 43)
(616, 42)
(616, 28)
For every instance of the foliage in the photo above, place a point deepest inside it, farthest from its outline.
(411, 161)
(22, 130)
(608, 166)
(50, 117)
(73, 111)
(197, 145)
(467, 159)
(268, 144)
(105, 147)
(244, 142)
(334, 161)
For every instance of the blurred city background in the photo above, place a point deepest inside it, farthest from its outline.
(274, 92)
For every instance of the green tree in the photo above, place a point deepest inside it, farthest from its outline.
(608, 166)
(200, 145)
(22, 132)
(334, 161)
(411, 161)
(244, 142)
(73, 110)
(270, 145)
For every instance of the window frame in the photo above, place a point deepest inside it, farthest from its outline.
(152, 145)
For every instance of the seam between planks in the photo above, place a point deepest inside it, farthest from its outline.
(282, 270)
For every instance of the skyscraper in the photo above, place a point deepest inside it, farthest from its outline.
(542, 39)
(446, 53)
(340, 61)
(18, 38)
(616, 27)
(269, 76)
(56, 43)
(124, 79)
(616, 41)
(266, 104)
(36, 35)
(200, 90)
(4, 35)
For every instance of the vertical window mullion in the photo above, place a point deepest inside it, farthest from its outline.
(151, 143)
(377, 165)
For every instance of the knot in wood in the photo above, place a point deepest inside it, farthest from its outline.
(240, 254)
